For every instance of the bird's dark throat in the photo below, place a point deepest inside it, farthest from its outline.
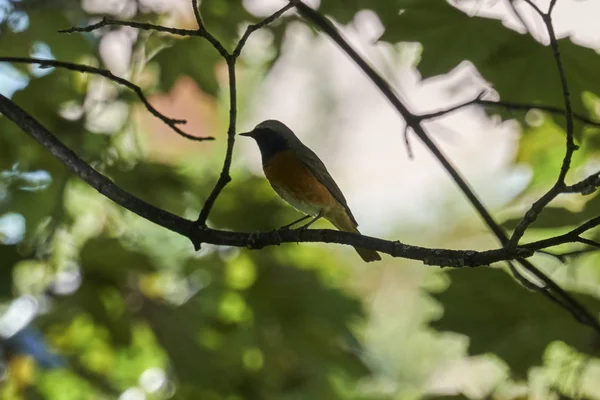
(270, 145)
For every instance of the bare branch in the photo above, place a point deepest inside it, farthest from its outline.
(437, 114)
(537, 207)
(172, 123)
(252, 28)
(589, 242)
(151, 27)
(586, 186)
(224, 177)
(442, 257)
(95, 179)
(414, 121)
(517, 13)
(407, 142)
(572, 236)
(535, 7)
(206, 34)
(132, 24)
(512, 106)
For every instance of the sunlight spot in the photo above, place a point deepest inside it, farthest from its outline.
(153, 379)
(19, 314)
(12, 228)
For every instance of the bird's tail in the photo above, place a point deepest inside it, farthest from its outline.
(343, 223)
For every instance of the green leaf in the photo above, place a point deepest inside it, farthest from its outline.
(44, 24)
(223, 17)
(519, 68)
(102, 299)
(144, 179)
(193, 57)
(109, 259)
(499, 316)
(9, 256)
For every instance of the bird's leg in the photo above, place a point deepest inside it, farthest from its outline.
(294, 223)
(312, 221)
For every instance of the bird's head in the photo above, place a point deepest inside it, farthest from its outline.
(272, 137)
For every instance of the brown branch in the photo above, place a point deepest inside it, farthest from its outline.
(151, 27)
(206, 34)
(586, 186)
(252, 28)
(511, 106)
(414, 121)
(225, 177)
(172, 123)
(441, 257)
(95, 179)
(537, 207)
(572, 236)
(187, 228)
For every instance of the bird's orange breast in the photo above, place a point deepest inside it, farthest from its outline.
(289, 176)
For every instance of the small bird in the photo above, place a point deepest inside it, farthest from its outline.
(300, 178)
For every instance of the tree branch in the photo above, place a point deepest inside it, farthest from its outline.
(172, 123)
(182, 226)
(151, 27)
(224, 177)
(586, 186)
(441, 257)
(511, 106)
(414, 121)
(537, 207)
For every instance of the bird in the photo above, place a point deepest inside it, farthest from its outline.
(300, 178)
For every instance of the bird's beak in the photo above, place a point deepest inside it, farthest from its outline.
(249, 134)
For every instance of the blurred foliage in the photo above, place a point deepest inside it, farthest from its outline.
(110, 305)
(508, 320)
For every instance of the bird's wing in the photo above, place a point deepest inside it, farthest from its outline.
(318, 169)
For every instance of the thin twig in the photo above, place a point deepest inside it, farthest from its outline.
(225, 177)
(206, 34)
(589, 242)
(252, 28)
(569, 237)
(132, 24)
(586, 186)
(437, 114)
(171, 122)
(511, 106)
(535, 7)
(150, 27)
(537, 207)
(517, 13)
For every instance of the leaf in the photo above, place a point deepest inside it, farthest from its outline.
(269, 341)
(519, 68)
(193, 57)
(9, 256)
(96, 296)
(223, 17)
(144, 179)
(44, 24)
(501, 317)
(109, 259)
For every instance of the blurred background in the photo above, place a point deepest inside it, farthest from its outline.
(97, 303)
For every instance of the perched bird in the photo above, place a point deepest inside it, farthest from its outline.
(300, 178)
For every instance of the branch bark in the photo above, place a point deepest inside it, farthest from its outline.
(201, 234)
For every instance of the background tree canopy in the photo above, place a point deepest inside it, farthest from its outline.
(98, 303)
